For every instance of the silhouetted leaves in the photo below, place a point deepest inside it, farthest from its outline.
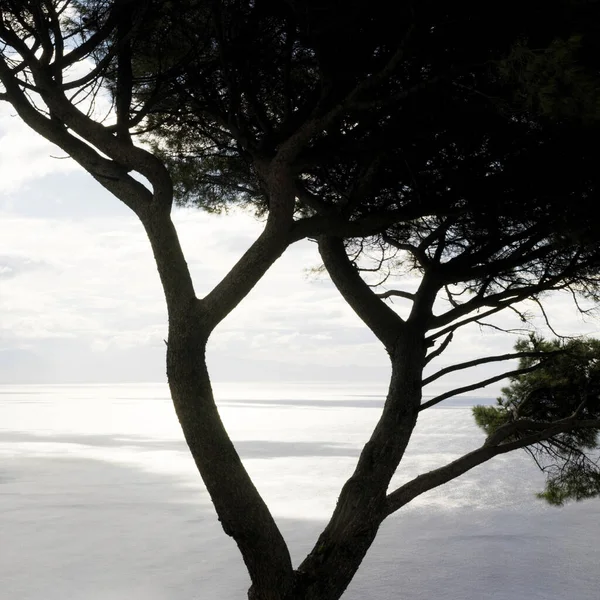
(565, 389)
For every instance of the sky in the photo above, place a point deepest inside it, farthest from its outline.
(80, 298)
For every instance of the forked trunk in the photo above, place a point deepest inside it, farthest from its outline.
(241, 511)
(362, 506)
(240, 508)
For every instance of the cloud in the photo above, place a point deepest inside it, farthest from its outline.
(25, 155)
(81, 298)
(94, 297)
(14, 265)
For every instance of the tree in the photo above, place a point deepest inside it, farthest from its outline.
(566, 386)
(420, 138)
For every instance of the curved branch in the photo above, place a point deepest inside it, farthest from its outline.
(93, 73)
(482, 361)
(504, 299)
(428, 481)
(476, 386)
(474, 319)
(400, 293)
(439, 350)
(108, 173)
(547, 320)
(268, 247)
(376, 314)
(128, 157)
(91, 43)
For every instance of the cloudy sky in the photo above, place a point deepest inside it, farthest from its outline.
(80, 299)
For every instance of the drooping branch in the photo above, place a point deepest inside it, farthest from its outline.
(547, 319)
(513, 330)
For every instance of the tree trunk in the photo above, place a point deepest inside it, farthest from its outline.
(241, 511)
(329, 568)
(362, 505)
(240, 508)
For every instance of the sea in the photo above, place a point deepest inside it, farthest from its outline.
(100, 499)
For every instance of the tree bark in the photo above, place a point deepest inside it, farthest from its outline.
(333, 562)
(240, 508)
(361, 508)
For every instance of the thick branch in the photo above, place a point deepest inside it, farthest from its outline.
(399, 293)
(171, 264)
(242, 512)
(335, 225)
(255, 262)
(111, 175)
(377, 315)
(428, 481)
(361, 506)
(425, 297)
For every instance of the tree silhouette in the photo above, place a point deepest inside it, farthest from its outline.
(453, 143)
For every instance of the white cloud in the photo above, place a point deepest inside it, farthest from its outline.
(77, 277)
(93, 281)
(24, 155)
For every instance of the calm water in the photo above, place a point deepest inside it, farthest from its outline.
(99, 500)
